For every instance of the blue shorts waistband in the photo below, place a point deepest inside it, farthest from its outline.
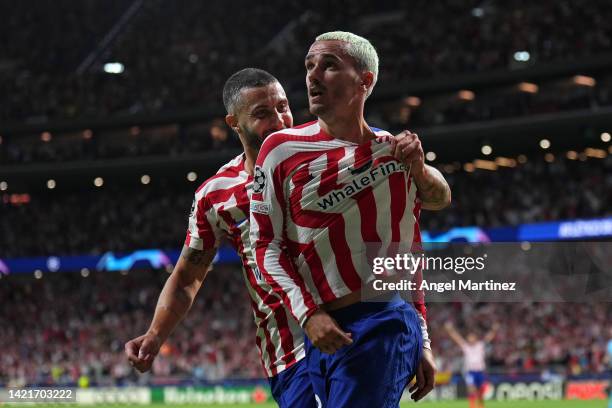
(358, 310)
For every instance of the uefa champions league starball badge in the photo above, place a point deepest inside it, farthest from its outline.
(259, 180)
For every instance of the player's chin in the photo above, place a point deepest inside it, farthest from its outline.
(317, 108)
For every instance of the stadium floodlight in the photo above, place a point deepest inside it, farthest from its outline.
(192, 176)
(51, 184)
(486, 149)
(522, 56)
(3, 185)
(98, 181)
(114, 68)
(145, 179)
(605, 137)
(544, 143)
(430, 156)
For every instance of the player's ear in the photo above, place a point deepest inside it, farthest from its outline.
(232, 121)
(367, 79)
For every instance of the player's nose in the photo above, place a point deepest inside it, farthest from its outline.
(313, 77)
(277, 122)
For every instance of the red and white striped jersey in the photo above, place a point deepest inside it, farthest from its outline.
(319, 207)
(221, 206)
(474, 356)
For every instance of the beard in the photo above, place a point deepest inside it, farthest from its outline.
(251, 139)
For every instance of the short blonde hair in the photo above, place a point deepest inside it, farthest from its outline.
(359, 48)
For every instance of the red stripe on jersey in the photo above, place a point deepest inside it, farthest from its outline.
(398, 188)
(342, 254)
(258, 343)
(203, 225)
(301, 216)
(279, 315)
(316, 269)
(329, 177)
(365, 199)
(229, 171)
(269, 345)
(276, 139)
(303, 125)
(286, 338)
(263, 221)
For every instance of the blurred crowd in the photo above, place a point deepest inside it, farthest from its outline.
(169, 141)
(177, 55)
(155, 216)
(535, 191)
(69, 328)
(214, 135)
(565, 338)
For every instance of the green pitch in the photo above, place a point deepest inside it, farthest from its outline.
(454, 404)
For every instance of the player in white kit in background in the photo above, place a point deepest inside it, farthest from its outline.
(474, 364)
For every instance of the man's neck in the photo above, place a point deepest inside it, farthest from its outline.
(354, 129)
(250, 154)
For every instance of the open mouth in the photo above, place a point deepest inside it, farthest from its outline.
(315, 92)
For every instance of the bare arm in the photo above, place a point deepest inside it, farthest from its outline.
(432, 188)
(180, 290)
(454, 334)
(491, 334)
(174, 302)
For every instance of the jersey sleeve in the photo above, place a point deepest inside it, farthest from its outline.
(267, 234)
(203, 231)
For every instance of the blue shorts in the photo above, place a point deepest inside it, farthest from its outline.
(475, 378)
(373, 371)
(291, 388)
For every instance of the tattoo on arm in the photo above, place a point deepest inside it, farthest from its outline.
(194, 256)
(434, 190)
